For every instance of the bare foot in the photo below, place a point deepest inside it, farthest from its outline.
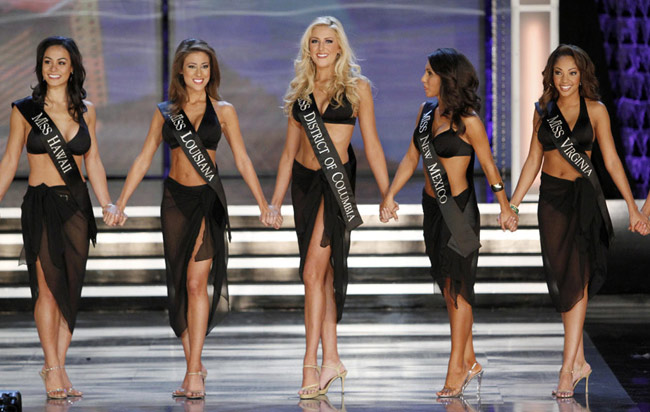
(72, 392)
(310, 387)
(53, 380)
(453, 383)
(564, 384)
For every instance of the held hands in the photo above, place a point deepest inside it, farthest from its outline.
(508, 219)
(388, 209)
(113, 216)
(271, 217)
(639, 223)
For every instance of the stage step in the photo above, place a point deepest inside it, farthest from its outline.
(388, 267)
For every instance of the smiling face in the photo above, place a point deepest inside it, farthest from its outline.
(566, 76)
(57, 66)
(323, 46)
(196, 70)
(431, 82)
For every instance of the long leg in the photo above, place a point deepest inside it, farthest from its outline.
(198, 308)
(328, 331)
(314, 277)
(573, 321)
(460, 321)
(48, 317)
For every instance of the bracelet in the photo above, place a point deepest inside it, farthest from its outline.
(497, 187)
(514, 209)
(108, 205)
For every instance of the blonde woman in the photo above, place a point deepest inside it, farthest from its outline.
(194, 214)
(328, 85)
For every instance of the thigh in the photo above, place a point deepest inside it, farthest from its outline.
(317, 259)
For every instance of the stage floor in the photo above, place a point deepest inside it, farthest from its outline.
(396, 362)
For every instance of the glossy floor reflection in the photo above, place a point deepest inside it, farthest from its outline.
(396, 362)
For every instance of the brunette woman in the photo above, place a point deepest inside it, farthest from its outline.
(574, 225)
(452, 131)
(57, 126)
(194, 214)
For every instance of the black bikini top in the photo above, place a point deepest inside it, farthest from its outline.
(209, 130)
(448, 144)
(78, 145)
(344, 114)
(582, 131)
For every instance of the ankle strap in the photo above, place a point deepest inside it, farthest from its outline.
(53, 368)
(312, 366)
(195, 373)
(336, 368)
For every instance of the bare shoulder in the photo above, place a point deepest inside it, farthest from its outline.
(472, 122)
(596, 108)
(90, 107)
(223, 108)
(364, 87)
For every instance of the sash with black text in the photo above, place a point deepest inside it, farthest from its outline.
(569, 148)
(463, 238)
(196, 153)
(44, 128)
(329, 161)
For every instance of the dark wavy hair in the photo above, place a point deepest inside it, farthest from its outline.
(75, 90)
(588, 81)
(458, 85)
(177, 92)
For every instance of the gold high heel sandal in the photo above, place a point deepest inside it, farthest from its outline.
(584, 376)
(339, 374)
(563, 394)
(471, 375)
(196, 394)
(313, 386)
(44, 372)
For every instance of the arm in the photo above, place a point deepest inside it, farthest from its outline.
(371, 143)
(646, 206)
(291, 146)
(531, 166)
(613, 165)
(475, 133)
(17, 131)
(242, 161)
(142, 162)
(95, 168)
(407, 166)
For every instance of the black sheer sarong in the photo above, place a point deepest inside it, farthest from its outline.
(446, 263)
(308, 187)
(573, 240)
(183, 210)
(56, 233)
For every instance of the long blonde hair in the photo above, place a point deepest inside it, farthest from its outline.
(346, 70)
(177, 92)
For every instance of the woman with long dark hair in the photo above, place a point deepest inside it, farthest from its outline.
(574, 225)
(57, 126)
(324, 100)
(452, 131)
(194, 214)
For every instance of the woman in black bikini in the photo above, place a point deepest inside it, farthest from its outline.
(573, 228)
(457, 134)
(57, 217)
(194, 217)
(326, 69)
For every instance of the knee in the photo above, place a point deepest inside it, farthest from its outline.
(313, 279)
(196, 288)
